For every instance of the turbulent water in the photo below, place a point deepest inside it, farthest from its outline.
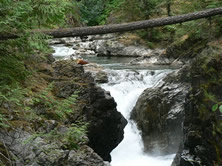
(126, 85)
(62, 51)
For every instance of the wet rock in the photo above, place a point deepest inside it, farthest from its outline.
(159, 113)
(101, 77)
(105, 45)
(97, 72)
(107, 124)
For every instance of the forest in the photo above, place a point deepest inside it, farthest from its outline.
(48, 102)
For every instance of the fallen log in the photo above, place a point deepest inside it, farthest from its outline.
(112, 28)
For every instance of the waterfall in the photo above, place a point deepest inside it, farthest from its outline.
(125, 87)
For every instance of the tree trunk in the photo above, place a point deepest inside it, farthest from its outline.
(169, 8)
(94, 30)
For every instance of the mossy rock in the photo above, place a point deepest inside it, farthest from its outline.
(186, 48)
(206, 124)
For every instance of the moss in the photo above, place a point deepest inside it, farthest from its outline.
(208, 69)
(217, 131)
(203, 112)
(188, 47)
(24, 125)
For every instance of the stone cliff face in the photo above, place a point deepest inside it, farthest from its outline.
(106, 124)
(93, 106)
(202, 129)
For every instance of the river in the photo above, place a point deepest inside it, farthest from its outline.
(126, 83)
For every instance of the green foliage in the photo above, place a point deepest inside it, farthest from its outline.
(51, 12)
(28, 14)
(171, 28)
(138, 10)
(209, 61)
(66, 106)
(18, 17)
(149, 7)
(17, 102)
(61, 108)
(206, 27)
(75, 135)
(220, 108)
(96, 12)
(3, 121)
(91, 11)
(111, 6)
(13, 98)
(10, 95)
(216, 107)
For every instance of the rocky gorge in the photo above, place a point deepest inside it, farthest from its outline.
(179, 113)
(163, 113)
(174, 116)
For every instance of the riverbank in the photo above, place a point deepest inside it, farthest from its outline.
(58, 117)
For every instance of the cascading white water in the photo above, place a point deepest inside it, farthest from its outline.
(126, 86)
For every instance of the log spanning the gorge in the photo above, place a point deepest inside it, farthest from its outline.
(112, 28)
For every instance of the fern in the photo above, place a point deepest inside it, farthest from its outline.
(61, 108)
(213, 3)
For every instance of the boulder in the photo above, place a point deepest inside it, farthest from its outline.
(97, 72)
(159, 114)
(36, 151)
(106, 123)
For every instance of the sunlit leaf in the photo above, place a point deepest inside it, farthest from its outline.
(220, 108)
(215, 107)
